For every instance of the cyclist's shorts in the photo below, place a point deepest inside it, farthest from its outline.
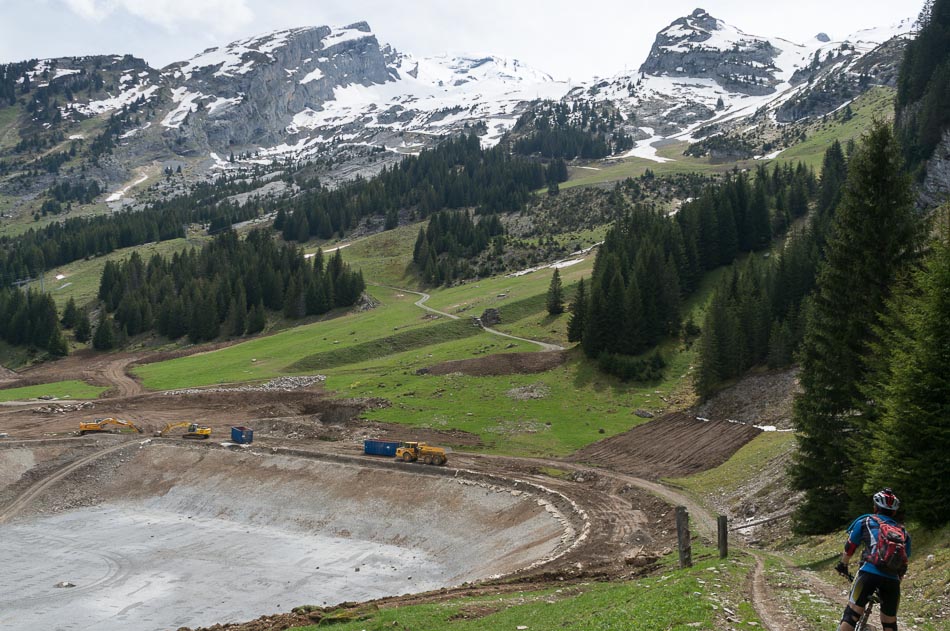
(890, 590)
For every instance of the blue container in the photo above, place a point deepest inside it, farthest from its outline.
(380, 447)
(242, 435)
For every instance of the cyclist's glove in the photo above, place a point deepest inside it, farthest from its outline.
(841, 568)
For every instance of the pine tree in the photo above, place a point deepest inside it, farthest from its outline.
(576, 324)
(104, 339)
(555, 301)
(873, 236)
(57, 345)
(83, 328)
(70, 314)
(912, 438)
(257, 319)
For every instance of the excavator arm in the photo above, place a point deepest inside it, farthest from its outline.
(102, 425)
(192, 430)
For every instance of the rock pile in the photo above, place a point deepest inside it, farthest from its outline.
(279, 384)
(59, 408)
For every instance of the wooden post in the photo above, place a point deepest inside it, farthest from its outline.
(723, 536)
(682, 537)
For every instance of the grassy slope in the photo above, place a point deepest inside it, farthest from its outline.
(60, 390)
(8, 127)
(385, 258)
(876, 103)
(274, 354)
(676, 600)
(379, 353)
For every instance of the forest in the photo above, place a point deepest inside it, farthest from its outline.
(649, 263)
(565, 131)
(226, 288)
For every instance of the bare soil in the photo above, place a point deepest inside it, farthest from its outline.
(502, 364)
(762, 398)
(675, 445)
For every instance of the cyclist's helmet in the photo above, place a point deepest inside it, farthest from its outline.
(886, 499)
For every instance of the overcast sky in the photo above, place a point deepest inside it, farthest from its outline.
(566, 38)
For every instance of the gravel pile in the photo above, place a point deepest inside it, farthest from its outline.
(280, 384)
(59, 408)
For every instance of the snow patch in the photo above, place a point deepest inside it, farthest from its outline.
(126, 97)
(314, 75)
(114, 197)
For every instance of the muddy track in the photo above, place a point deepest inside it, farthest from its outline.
(124, 385)
(765, 603)
(42, 485)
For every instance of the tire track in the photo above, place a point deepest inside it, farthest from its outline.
(124, 384)
(34, 491)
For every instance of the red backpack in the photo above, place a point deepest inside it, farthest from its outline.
(889, 552)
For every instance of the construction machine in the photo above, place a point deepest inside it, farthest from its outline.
(192, 430)
(110, 425)
(421, 452)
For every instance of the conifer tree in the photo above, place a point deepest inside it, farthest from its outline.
(873, 236)
(555, 300)
(104, 339)
(57, 345)
(257, 319)
(83, 328)
(70, 314)
(576, 324)
(912, 438)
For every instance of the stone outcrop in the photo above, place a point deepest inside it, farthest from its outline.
(251, 90)
(700, 46)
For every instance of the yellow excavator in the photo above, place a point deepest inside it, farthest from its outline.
(110, 425)
(192, 430)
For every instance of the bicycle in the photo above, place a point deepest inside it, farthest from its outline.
(862, 623)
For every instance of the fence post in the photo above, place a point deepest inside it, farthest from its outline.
(682, 537)
(723, 522)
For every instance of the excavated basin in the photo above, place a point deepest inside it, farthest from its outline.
(170, 536)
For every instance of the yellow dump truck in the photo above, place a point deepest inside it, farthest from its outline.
(421, 452)
(110, 425)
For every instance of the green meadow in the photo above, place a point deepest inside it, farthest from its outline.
(72, 389)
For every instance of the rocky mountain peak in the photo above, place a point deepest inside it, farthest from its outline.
(701, 46)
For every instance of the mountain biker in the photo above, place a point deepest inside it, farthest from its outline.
(870, 577)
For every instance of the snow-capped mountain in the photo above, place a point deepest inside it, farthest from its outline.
(296, 92)
(702, 71)
(337, 92)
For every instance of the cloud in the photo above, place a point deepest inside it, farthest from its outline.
(217, 15)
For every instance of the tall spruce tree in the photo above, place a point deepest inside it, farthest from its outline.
(104, 339)
(83, 327)
(577, 322)
(912, 437)
(555, 301)
(874, 234)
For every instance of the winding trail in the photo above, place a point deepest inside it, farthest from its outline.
(424, 297)
(115, 373)
(41, 485)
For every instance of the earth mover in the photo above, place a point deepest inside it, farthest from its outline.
(110, 425)
(421, 452)
(192, 430)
